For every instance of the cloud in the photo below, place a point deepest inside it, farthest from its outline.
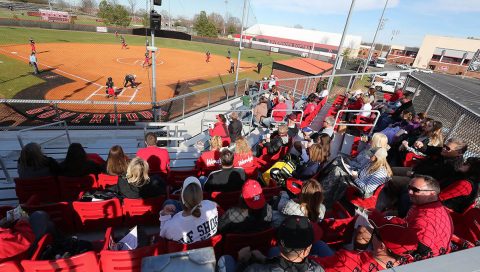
(456, 6)
(322, 6)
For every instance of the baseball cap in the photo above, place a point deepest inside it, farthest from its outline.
(379, 152)
(252, 193)
(189, 181)
(357, 92)
(394, 233)
(307, 130)
(295, 232)
(294, 185)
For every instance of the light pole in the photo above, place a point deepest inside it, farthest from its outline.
(240, 46)
(394, 33)
(225, 20)
(370, 51)
(340, 47)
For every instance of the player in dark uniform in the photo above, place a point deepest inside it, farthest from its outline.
(208, 56)
(130, 79)
(110, 90)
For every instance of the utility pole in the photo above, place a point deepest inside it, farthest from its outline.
(225, 20)
(394, 33)
(153, 50)
(340, 47)
(240, 46)
(370, 51)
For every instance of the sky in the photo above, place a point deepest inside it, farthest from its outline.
(410, 19)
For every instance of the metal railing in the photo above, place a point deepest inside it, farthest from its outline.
(337, 118)
(205, 120)
(8, 178)
(458, 121)
(79, 113)
(292, 110)
(65, 133)
(168, 125)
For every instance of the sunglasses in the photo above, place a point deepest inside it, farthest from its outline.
(416, 190)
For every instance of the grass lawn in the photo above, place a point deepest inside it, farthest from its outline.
(15, 76)
(17, 35)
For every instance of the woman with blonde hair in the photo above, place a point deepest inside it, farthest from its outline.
(376, 173)
(243, 154)
(210, 160)
(196, 222)
(136, 183)
(363, 158)
(33, 163)
(117, 161)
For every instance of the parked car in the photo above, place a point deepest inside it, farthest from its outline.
(426, 71)
(388, 86)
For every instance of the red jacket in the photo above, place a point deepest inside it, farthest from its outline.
(208, 162)
(219, 130)
(15, 241)
(356, 105)
(349, 261)
(279, 115)
(434, 224)
(157, 158)
(245, 160)
(309, 109)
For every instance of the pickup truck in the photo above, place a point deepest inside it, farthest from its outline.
(388, 86)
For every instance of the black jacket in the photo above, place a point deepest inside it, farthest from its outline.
(235, 130)
(225, 180)
(152, 189)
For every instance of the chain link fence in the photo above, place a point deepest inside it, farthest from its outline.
(17, 113)
(458, 121)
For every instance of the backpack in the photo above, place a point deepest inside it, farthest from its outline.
(281, 171)
(66, 248)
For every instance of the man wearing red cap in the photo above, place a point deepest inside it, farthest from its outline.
(253, 214)
(392, 243)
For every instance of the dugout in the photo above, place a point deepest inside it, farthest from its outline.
(301, 67)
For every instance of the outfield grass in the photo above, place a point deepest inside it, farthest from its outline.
(17, 35)
(15, 76)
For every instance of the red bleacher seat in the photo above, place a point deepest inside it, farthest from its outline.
(467, 224)
(262, 241)
(337, 226)
(97, 214)
(142, 211)
(80, 263)
(176, 177)
(365, 203)
(270, 192)
(364, 121)
(226, 200)
(123, 260)
(411, 159)
(105, 180)
(215, 242)
(72, 187)
(46, 189)
(10, 267)
(41, 245)
(251, 172)
(61, 213)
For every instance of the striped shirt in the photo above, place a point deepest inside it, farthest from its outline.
(368, 183)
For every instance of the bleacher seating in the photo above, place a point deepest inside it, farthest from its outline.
(87, 261)
(45, 188)
(72, 187)
(97, 214)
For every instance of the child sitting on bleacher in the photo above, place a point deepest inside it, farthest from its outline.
(197, 221)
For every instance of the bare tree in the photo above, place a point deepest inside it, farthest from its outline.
(233, 25)
(88, 6)
(132, 4)
(298, 26)
(217, 20)
(62, 4)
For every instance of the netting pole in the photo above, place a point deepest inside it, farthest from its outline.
(349, 84)
(209, 96)
(295, 87)
(183, 109)
(115, 112)
(431, 103)
(55, 106)
(457, 124)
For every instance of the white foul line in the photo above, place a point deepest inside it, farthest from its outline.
(56, 69)
(134, 94)
(94, 93)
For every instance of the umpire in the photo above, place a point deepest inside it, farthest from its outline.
(130, 79)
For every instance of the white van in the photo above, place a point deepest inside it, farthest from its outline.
(380, 62)
(387, 76)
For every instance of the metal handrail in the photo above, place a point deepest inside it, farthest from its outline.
(292, 110)
(5, 171)
(19, 136)
(355, 124)
(175, 138)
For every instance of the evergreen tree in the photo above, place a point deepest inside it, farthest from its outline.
(203, 26)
